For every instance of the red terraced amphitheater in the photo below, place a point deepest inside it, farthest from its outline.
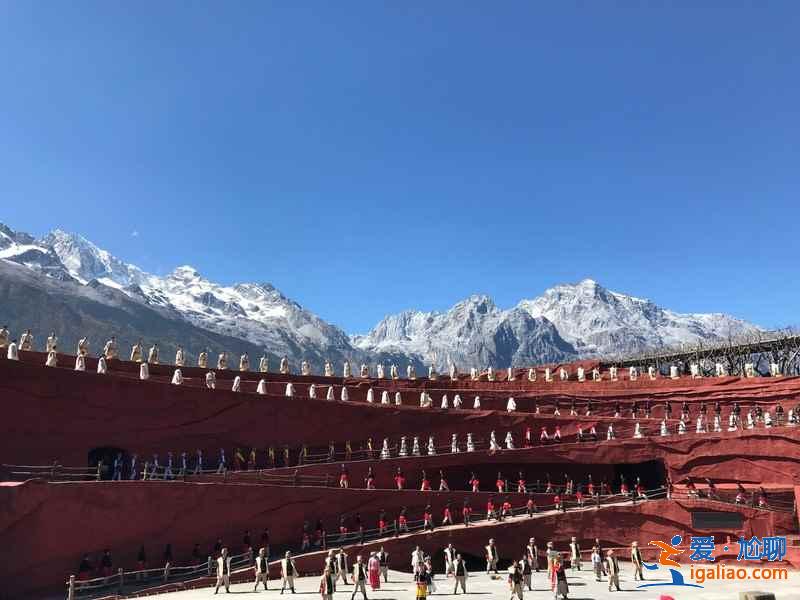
(286, 456)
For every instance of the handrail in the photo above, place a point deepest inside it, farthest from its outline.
(393, 530)
(168, 573)
(147, 472)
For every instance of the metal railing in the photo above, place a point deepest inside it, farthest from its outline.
(121, 580)
(144, 578)
(622, 430)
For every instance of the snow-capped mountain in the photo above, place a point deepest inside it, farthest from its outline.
(566, 322)
(255, 312)
(473, 333)
(605, 323)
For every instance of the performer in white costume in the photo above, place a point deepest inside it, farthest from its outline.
(509, 441)
(581, 374)
(457, 401)
(222, 361)
(531, 374)
(52, 342)
(244, 362)
(431, 446)
(511, 405)
(179, 357)
(305, 368)
(473, 374)
(152, 356)
(136, 352)
(470, 443)
(385, 397)
(290, 390)
(370, 396)
(284, 368)
(328, 369)
(651, 372)
(177, 377)
(364, 371)
(403, 447)
(477, 403)
(262, 387)
(701, 425)
(548, 376)
(563, 374)
(330, 395)
(102, 369)
(237, 384)
(633, 373)
(454, 443)
(263, 363)
(596, 374)
(380, 371)
(445, 402)
(411, 372)
(80, 363)
(346, 369)
(398, 399)
(345, 396)
(5, 336)
(673, 372)
(110, 350)
(202, 359)
(26, 341)
(144, 371)
(52, 359)
(393, 372)
(385, 452)
(211, 380)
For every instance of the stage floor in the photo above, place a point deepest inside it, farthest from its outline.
(582, 587)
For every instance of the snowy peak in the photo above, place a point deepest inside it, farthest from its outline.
(185, 273)
(9, 237)
(256, 312)
(567, 321)
(473, 333)
(84, 261)
(603, 322)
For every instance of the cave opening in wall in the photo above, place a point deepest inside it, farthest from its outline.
(652, 473)
(106, 455)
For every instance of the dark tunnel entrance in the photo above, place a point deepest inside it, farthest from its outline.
(105, 455)
(652, 473)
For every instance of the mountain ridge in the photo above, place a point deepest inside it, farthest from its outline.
(567, 321)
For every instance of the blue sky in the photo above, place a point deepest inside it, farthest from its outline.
(367, 157)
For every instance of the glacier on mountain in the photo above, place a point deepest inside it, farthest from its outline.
(566, 322)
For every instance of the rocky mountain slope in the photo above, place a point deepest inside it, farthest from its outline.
(567, 321)
(66, 283)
